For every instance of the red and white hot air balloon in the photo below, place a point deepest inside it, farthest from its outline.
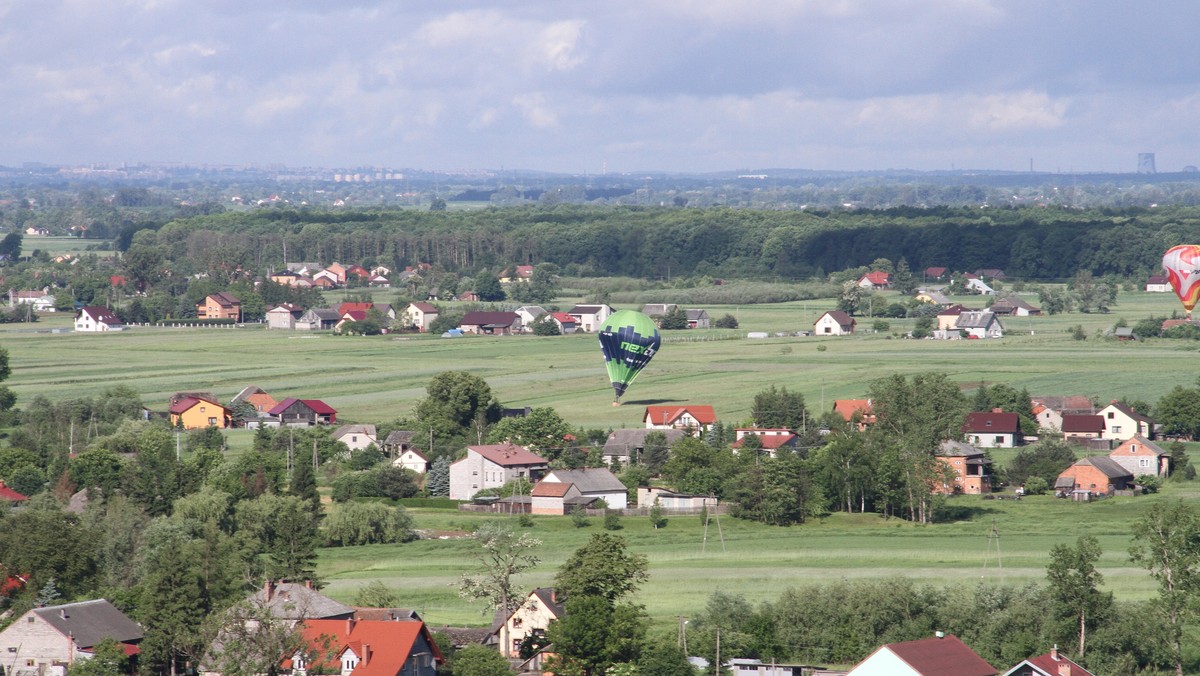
(1182, 264)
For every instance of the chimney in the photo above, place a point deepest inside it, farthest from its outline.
(1054, 652)
(70, 646)
(366, 654)
(349, 625)
(554, 594)
(63, 613)
(997, 410)
(268, 591)
(939, 634)
(308, 584)
(1064, 669)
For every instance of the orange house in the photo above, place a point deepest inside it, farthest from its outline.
(192, 413)
(219, 305)
(1093, 475)
(972, 469)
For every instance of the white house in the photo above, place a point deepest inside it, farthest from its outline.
(529, 314)
(95, 319)
(979, 286)
(1158, 284)
(588, 318)
(979, 324)
(993, 430)
(943, 654)
(834, 323)
(411, 458)
(492, 466)
(695, 419)
(532, 617)
(1121, 423)
(419, 315)
(41, 300)
(49, 637)
(592, 482)
(356, 437)
(284, 316)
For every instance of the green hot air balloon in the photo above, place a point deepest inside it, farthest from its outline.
(629, 340)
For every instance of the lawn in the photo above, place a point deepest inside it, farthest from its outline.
(380, 378)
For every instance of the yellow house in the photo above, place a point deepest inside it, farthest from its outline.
(193, 413)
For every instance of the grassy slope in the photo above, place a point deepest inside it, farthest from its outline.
(376, 379)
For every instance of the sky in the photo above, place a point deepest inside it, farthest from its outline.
(603, 86)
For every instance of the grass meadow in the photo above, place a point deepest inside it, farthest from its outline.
(379, 379)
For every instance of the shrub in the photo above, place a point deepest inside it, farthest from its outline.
(726, 321)
(365, 523)
(1036, 485)
(612, 521)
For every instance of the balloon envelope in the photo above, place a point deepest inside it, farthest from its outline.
(629, 340)
(1182, 264)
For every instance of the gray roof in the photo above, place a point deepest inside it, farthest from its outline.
(342, 431)
(293, 601)
(1107, 466)
(90, 622)
(246, 392)
(621, 442)
(697, 314)
(589, 479)
(658, 308)
(975, 320)
(327, 314)
(397, 437)
(951, 447)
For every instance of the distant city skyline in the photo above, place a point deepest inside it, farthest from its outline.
(1069, 86)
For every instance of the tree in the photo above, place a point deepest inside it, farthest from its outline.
(488, 287)
(851, 298)
(1179, 412)
(725, 321)
(455, 401)
(10, 246)
(655, 452)
(546, 326)
(1166, 541)
(437, 481)
(778, 408)
(478, 660)
(543, 284)
(1075, 584)
(252, 639)
(675, 319)
(903, 280)
(365, 523)
(923, 327)
(603, 568)
(108, 658)
(375, 594)
(282, 532)
(542, 431)
(502, 554)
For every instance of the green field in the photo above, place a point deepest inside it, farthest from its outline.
(379, 379)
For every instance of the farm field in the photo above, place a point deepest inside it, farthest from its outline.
(380, 378)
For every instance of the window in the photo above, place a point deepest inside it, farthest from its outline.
(1111, 415)
(999, 439)
(212, 421)
(1116, 429)
(31, 619)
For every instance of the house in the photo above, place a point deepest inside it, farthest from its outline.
(350, 317)
(365, 648)
(834, 323)
(490, 323)
(337, 270)
(96, 319)
(935, 273)
(990, 273)
(256, 397)
(948, 318)
(326, 279)
(39, 300)
(284, 316)
(284, 278)
(1081, 426)
(943, 655)
(45, 640)
(744, 666)
(192, 413)
(1013, 306)
(517, 273)
(398, 441)
(357, 271)
(556, 498)
(697, 319)
(972, 469)
(292, 412)
(419, 316)
(931, 296)
(876, 279)
(1047, 418)
(304, 269)
(657, 311)
(770, 439)
(318, 319)
(694, 419)
(981, 324)
(849, 409)
(295, 601)
(356, 437)
(412, 459)
(492, 466)
(529, 314)
(977, 285)
(385, 310)
(593, 483)
(1141, 456)
(10, 496)
(1158, 284)
(670, 500)
(565, 322)
(1092, 476)
(1122, 423)
(1052, 663)
(589, 318)
(381, 270)
(627, 446)
(531, 618)
(219, 305)
(996, 429)
(468, 296)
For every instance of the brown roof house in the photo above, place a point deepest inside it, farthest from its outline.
(996, 429)
(1052, 663)
(1080, 426)
(943, 655)
(492, 466)
(1093, 476)
(972, 470)
(622, 445)
(1122, 423)
(219, 305)
(490, 323)
(834, 323)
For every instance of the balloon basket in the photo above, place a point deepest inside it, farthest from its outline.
(616, 403)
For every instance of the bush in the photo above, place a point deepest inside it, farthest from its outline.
(1036, 485)
(612, 521)
(579, 518)
(881, 326)
(726, 321)
(1149, 483)
(365, 523)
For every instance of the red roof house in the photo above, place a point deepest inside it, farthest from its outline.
(993, 430)
(1052, 663)
(875, 279)
(9, 495)
(690, 417)
(365, 648)
(292, 411)
(939, 656)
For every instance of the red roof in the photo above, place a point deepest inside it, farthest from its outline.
(316, 405)
(946, 656)
(391, 644)
(935, 272)
(508, 455)
(1053, 661)
(876, 277)
(354, 315)
(188, 402)
(848, 407)
(425, 307)
(667, 415)
(550, 489)
(563, 318)
(352, 307)
(10, 495)
(770, 442)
